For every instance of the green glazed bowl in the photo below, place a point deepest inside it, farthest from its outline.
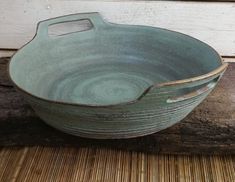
(114, 81)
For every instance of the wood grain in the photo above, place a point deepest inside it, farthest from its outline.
(212, 22)
(209, 129)
(7, 53)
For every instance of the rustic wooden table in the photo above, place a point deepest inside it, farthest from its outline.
(209, 129)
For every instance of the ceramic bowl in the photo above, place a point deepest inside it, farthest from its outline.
(114, 81)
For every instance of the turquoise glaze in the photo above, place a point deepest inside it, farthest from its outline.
(114, 81)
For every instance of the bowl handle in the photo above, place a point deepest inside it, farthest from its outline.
(95, 19)
(210, 85)
(169, 90)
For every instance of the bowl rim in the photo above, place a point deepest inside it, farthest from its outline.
(208, 75)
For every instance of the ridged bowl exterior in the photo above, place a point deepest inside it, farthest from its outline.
(149, 115)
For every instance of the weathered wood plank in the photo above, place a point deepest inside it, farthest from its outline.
(7, 53)
(212, 22)
(210, 128)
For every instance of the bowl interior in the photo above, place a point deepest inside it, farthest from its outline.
(110, 66)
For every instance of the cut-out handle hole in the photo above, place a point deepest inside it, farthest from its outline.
(69, 27)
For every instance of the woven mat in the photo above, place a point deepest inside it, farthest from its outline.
(70, 164)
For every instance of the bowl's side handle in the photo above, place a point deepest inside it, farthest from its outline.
(170, 90)
(94, 18)
(201, 90)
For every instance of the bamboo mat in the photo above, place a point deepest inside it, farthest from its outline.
(86, 164)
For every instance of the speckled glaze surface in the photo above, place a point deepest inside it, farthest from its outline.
(114, 81)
